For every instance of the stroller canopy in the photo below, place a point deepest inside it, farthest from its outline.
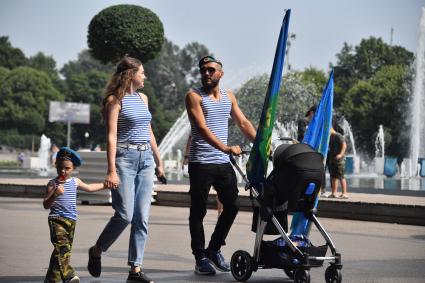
(295, 166)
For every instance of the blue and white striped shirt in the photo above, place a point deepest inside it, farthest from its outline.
(133, 120)
(216, 115)
(66, 205)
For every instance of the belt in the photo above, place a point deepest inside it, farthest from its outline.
(139, 147)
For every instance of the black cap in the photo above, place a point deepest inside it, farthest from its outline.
(312, 109)
(208, 59)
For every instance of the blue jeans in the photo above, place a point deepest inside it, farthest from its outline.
(131, 202)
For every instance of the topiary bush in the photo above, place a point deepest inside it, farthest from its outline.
(125, 30)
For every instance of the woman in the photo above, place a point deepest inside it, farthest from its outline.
(132, 153)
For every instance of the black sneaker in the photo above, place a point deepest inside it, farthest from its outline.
(94, 266)
(203, 267)
(217, 259)
(138, 277)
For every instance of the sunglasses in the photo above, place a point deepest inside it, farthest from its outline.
(210, 70)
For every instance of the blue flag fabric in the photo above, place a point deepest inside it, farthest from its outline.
(317, 136)
(256, 166)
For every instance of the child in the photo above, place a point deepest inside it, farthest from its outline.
(61, 198)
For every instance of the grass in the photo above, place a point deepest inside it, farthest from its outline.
(9, 164)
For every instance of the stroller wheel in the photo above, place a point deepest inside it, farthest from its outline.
(333, 275)
(289, 272)
(302, 276)
(241, 265)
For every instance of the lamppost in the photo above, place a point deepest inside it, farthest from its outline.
(86, 136)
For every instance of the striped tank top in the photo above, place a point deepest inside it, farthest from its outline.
(216, 115)
(66, 204)
(133, 120)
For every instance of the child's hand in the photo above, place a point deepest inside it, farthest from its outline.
(59, 189)
(61, 179)
(111, 181)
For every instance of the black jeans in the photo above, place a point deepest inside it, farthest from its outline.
(202, 177)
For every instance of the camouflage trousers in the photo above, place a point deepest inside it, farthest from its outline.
(61, 235)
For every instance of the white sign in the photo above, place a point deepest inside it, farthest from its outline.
(60, 111)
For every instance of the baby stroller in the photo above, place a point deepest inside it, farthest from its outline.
(292, 186)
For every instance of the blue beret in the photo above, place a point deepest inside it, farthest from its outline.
(208, 59)
(69, 154)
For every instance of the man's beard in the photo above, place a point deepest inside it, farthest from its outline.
(211, 84)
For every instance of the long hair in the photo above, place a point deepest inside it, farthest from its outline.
(120, 80)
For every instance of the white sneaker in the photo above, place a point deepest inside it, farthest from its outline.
(74, 279)
(324, 195)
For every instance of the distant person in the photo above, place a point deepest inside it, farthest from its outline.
(304, 122)
(21, 158)
(97, 148)
(54, 151)
(302, 129)
(336, 164)
(132, 155)
(209, 108)
(61, 198)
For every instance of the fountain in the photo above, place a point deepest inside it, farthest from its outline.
(417, 133)
(177, 132)
(380, 143)
(41, 162)
(351, 156)
(44, 153)
(283, 131)
(379, 151)
(172, 145)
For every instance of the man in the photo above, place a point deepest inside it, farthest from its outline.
(303, 123)
(209, 108)
(336, 163)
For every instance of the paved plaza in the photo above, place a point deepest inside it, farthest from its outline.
(371, 251)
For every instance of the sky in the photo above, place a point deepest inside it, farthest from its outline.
(242, 33)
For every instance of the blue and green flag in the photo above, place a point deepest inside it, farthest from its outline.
(317, 136)
(256, 166)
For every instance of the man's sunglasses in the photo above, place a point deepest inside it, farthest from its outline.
(210, 70)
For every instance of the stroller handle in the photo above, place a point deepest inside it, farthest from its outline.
(233, 161)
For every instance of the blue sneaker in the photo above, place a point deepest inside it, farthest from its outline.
(204, 267)
(217, 259)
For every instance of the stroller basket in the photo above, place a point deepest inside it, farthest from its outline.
(275, 256)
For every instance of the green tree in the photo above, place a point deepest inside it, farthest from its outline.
(88, 88)
(3, 74)
(160, 124)
(167, 79)
(125, 30)
(381, 99)
(364, 61)
(85, 79)
(359, 92)
(189, 58)
(10, 57)
(45, 63)
(85, 63)
(24, 100)
(299, 91)
(171, 75)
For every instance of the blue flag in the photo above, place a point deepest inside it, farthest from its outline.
(256, 166)
(317, 136)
